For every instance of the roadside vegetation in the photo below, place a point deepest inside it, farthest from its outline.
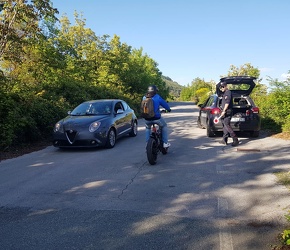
(284, 237)
(49, 66)
(283, 178)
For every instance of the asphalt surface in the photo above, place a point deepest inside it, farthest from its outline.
(201, 195)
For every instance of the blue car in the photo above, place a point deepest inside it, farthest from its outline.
(96, 123)
(246, 115)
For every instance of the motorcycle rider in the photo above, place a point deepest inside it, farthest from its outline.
(157, 119)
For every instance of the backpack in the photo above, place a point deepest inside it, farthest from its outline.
(147, 108)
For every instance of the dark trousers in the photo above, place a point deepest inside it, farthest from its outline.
(227, 129)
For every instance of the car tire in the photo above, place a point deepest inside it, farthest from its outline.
(111, 138)
(209, 132)
(134, 129)
(254, 133)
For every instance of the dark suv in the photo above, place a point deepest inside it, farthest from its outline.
(245, 113)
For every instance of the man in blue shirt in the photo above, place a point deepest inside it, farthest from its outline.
(158, 101)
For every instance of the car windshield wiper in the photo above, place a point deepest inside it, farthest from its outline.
(78, 114)
(88, 113)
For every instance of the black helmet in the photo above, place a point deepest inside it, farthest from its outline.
(152, 88)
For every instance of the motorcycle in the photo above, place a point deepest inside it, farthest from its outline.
(155, 144)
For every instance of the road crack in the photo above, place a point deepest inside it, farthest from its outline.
(131, 180)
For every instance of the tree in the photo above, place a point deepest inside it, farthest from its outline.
(53, 68)
(19, 22)
(198, 91)
(277, 103)
(248, 70)
(244, 70)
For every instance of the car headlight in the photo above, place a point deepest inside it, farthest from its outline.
(94, 126)
(58, 127)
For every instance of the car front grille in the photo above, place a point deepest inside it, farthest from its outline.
(71, 135)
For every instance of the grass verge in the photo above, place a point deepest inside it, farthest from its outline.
(283, 178)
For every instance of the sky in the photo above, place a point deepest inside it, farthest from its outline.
(195, 38)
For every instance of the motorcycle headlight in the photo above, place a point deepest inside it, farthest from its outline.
(94, 126)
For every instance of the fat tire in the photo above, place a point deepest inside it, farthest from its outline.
(152, 151)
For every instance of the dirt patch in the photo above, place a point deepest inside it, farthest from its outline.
(15, 151)
(284, 136)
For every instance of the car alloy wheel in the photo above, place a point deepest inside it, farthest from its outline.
(134, 129)
(111, 139)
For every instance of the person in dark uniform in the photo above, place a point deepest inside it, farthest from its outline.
(226, 115)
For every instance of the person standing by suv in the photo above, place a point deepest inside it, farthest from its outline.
(226, 115)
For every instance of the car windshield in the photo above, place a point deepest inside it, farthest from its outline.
(96, 108)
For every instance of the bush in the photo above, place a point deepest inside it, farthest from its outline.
(202, 94)
(27, 118)
(286, 125)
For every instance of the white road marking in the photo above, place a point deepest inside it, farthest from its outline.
(220, 169)
(226, 241)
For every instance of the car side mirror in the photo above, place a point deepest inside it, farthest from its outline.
(120, 111)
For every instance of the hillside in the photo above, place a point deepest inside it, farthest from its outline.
(174, 87)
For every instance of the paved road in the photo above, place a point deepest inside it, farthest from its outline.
(201, 195)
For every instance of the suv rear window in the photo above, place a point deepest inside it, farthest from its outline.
(238, 86)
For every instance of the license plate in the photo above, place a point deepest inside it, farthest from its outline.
(237, 119)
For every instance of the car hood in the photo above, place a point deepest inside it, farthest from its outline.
(239, 85)
(82, 120)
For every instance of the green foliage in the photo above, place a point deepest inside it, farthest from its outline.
(174, 88)
(244, 70)
(54, 68)
(187, 94)
(275, 105)
(286, 124)
(18, 22)
(26, 117)
(286, 237)
(49, 67)
(198, 91)
(202, 94)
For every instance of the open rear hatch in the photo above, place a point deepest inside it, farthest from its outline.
(239, 85)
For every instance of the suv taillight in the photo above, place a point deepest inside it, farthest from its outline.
(255, 110)
(215, 111)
